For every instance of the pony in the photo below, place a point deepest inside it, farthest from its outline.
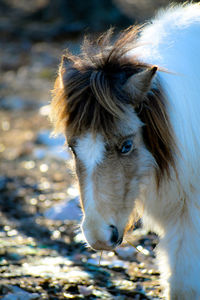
(130, 110)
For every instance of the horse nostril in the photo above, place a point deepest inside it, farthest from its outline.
(120, 241)
(115, 235)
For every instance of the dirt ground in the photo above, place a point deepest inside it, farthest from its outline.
(42, 258)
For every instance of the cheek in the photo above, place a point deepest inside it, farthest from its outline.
(130, 168)
(109, 177)
(131, 178)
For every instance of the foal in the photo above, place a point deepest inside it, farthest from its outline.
(131, 115)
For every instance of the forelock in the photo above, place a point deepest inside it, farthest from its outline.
(92, 96)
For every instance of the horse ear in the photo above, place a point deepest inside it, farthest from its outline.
(138, 84)
(64, 65)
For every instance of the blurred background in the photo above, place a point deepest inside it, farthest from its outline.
(41, 251)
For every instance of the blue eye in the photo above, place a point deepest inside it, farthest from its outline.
(127, 146)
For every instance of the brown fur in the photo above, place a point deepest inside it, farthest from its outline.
(157, 132)
(92, 96)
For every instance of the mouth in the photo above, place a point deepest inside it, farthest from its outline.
(106, 247)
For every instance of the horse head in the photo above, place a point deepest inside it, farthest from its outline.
(111, 109)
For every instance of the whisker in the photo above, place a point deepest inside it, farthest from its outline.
(134, 246)
(100, 257)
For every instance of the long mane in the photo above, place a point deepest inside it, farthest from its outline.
(92, 97)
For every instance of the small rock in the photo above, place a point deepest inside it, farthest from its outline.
(118, 264)
(126, 253)
(67, 210)
(22, 296)
(19, 294)
(93, 261)
(84, 290)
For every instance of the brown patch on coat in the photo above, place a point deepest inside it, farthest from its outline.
(89, 95)
(157, 132)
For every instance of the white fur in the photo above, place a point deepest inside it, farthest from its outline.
(90, 150)
(172, 42)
